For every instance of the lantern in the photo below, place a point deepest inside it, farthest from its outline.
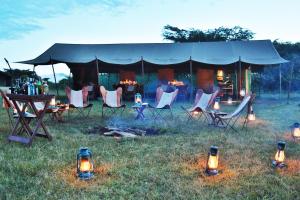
(220, 75)
(212, 161)
(251, 116)
(229, 100)
(52, 102)
(295, 130)
(196, 112)
(217, 104)
(279, 156)
(138, 99)
(85, 164)
(242, 92)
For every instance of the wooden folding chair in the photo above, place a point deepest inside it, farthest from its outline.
(78, 101)
(202, 102)
(112, 101)
(164, 101)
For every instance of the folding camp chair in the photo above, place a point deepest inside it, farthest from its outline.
(78, 100)
(112, 101)
(227, 121)
(202, 102)
(164, 101)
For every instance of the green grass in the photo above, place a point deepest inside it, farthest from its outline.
(166, 166)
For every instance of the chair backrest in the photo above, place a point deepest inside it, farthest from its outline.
(111, 98)
(76, 98)
(204, 100)
(166, 99)
(241, 107)
(6, 102)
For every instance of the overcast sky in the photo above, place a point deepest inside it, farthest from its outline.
(29, 27)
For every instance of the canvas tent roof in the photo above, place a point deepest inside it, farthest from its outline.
(257, 52)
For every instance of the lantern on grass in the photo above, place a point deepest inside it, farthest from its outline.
(279, 156)
(138, 99)
(196, 112)
(295, 130)
(217, 104)
(251, 115)
(85, 164)
(242, 92)
(212, 161)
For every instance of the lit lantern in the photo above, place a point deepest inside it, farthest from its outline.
(138, 99)
(229, 100)
(85, 164)
(217, 104)
(242, 92)
(279, 156)
(220, 75)
(295, 130)
(196, 112)
(52, 102)
(251, 116)
(212, 161)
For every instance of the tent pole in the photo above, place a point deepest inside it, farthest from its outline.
(143, 75)
(280, 87)
(56, 86)
(97, 68)
(240, 74)
(191, 73)
(236, 81)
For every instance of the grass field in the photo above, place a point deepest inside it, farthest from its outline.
(166, 166)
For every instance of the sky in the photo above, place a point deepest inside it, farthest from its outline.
(29, 27)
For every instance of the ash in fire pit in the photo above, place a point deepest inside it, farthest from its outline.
(130, 132)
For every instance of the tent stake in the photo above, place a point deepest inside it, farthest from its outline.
(191, 73)
(56, 86)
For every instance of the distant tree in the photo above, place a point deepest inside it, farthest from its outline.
(18, 73)
(290, 71)
(176, 34)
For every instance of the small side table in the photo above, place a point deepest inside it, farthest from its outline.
(140, 109)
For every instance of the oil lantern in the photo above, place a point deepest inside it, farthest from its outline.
(220, 75)
(212, 161)
(52, 102)
(138, 99)
(229, 100)
(85, 164)
(217, 104)
(279, 156)
(251, 115)
(295, 130)
(242, 92)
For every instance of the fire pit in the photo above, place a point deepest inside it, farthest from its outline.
(129, 132)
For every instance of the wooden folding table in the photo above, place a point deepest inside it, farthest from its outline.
(22, 122)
